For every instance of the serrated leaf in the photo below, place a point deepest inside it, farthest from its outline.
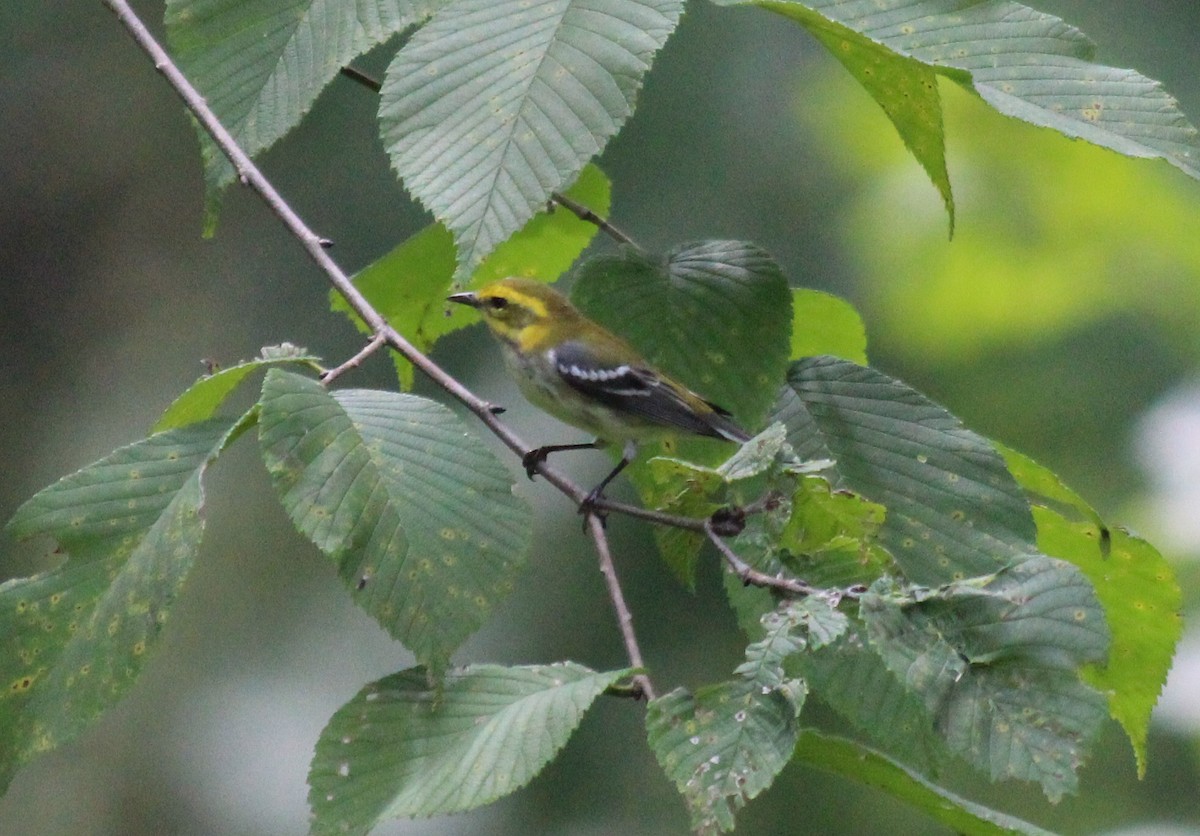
(409, 285)
(75, 638)
(1012, 642)
(832, 536)
(1136, 587)
(416, 513)
(403, 747)
(204, 397)
(826, 324)
(789, 629)
(262, 63)
(679, 487)
(715, 314)
(494, 104)
(953, 509)
(904, 87)
(758, 456)
(1025, 64)
(859, 763)
(853, 681)
(694, 490)
(724, 745)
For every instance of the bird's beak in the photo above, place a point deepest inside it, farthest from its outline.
(464, 299)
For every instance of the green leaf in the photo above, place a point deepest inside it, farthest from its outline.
(995, 660)
(832, 536)
(679, 487)
(790, 628)
(75, 638)
(724, 745)
(1136, 587)
(416, 513)
(1025, 64)
(409, 285)
(262, 63)
(953, 509)
(826, 324)
(715, 314)
(905, 88)
(204, 397)
(858, 763)
(494, 104)
(403, 747)
(694, 490)
(852, 679)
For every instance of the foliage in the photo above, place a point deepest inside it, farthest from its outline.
(952, 601)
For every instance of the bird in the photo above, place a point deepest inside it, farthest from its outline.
(586, 376)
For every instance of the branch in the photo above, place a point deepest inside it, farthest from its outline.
(624, 617)
(315, 246)
(329, 375)
(780, 583)
(585, 214)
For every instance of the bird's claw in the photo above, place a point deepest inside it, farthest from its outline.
(589, 508)
(533, 459)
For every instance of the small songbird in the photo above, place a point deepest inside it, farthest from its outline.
(585, 375)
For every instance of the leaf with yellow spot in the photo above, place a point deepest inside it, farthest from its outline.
(404, 747)
(377, 480)
(904, 87)
(996, 660)
(724, 744)
(953, 509)
(75, 638)
(1136, 586)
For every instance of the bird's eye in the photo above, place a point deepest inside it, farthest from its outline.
(497, 303)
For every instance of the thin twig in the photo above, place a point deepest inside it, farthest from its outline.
(749, 575)
(624, 616)
(376, 342)
(585, 214)
(250, 175)
(355, 74)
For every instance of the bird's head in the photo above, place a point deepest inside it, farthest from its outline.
(520, 310)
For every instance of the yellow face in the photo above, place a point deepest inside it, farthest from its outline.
(519, 311)
(508, 307)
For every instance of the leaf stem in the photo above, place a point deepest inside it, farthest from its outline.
(374, 344)
(585, 214)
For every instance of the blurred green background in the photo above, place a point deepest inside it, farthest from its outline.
(1063, 319)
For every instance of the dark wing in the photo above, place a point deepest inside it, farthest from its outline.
(637, 390)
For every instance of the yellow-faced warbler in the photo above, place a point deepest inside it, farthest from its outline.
(585, 375)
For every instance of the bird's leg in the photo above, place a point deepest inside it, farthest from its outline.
(588, 506)
(533, 458)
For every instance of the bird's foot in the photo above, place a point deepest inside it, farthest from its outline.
(589, 507)
(531, 460)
